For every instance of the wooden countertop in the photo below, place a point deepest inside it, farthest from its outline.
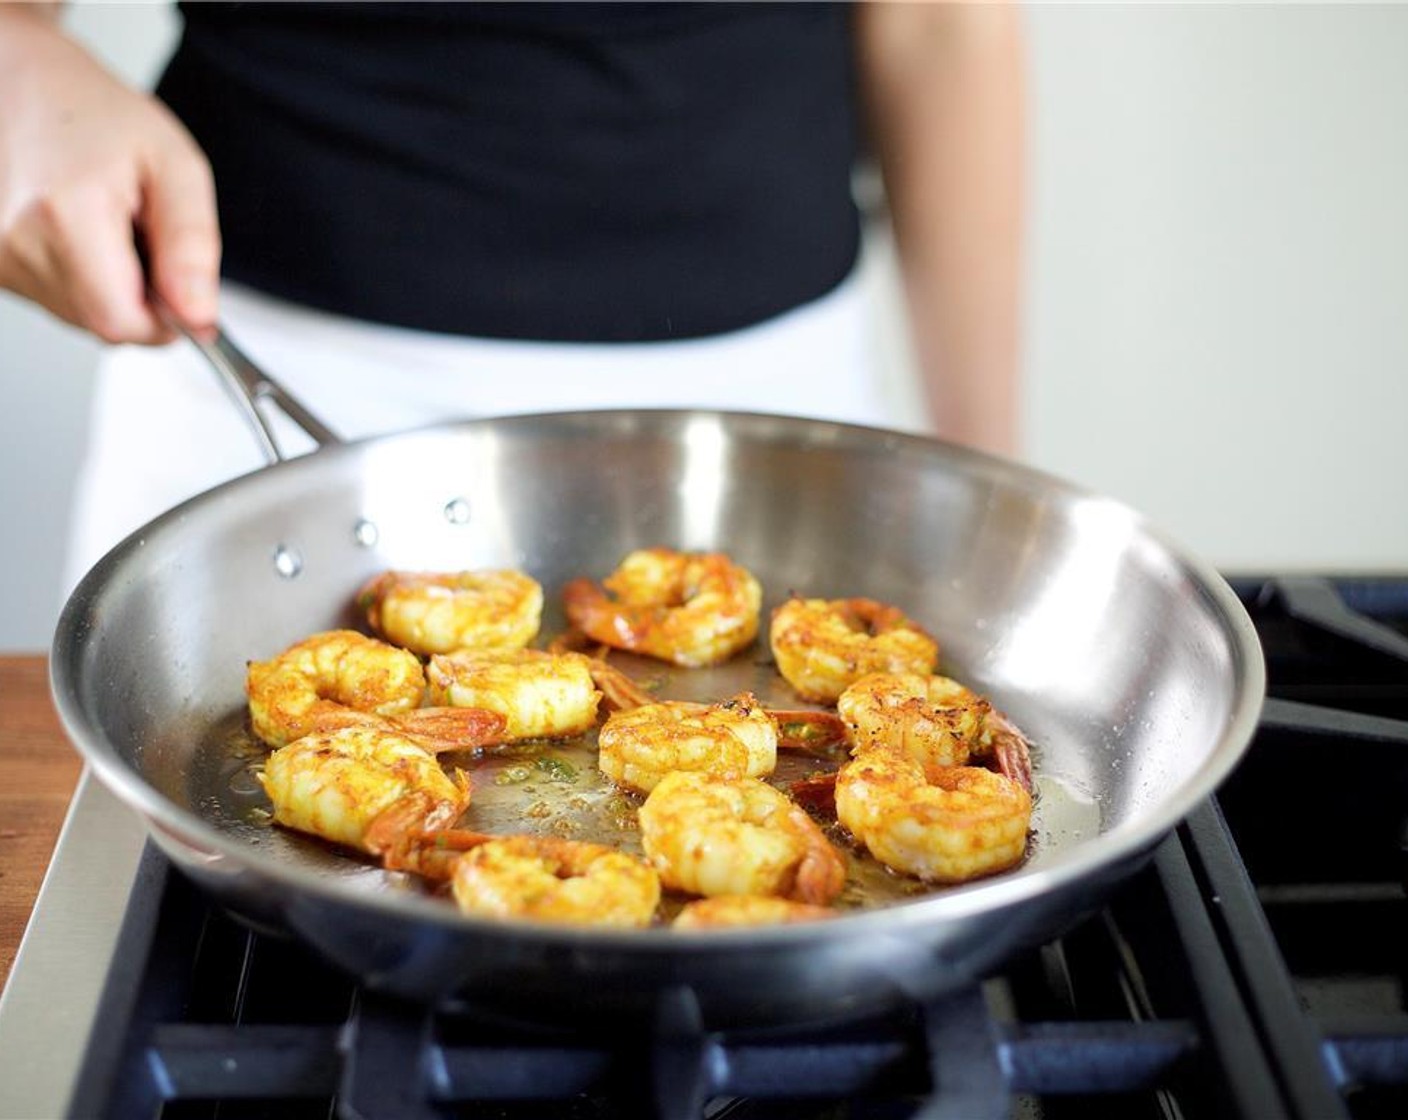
(38, 772)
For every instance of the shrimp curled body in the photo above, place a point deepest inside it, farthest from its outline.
(548, 879)
(540, 695)
(931, 719)
(321, 679)
(732, 739)
(940, 824)
(714, 836)
(823, 646)
(436, 612)
(689, 608)
(361, 786)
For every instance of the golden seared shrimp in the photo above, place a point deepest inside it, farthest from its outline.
(547, 879)
(364, 787)
(943, 824)
(823, 646)
(717, 836)
(326, 675)
(690, 608)
(436, 612)
(341, 678)
(930, 719)
(933, 720)
(728, 911)
(732, 739)
(540, 695)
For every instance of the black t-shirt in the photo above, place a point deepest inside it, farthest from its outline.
(591, 172)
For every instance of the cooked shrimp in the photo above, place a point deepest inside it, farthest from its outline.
(436, 612)
(747, 910)
(934, 720)
(941, 824)
(732, 739)
(325, 675)
(823, 646)
(547, 879)
(690, 608)
(540, 695)
(931, 719)
(364, 787)
(717, 836)
(341, 678)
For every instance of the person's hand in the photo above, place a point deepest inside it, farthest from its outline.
(87, 168)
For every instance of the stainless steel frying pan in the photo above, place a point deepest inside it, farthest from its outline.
(1130, 663)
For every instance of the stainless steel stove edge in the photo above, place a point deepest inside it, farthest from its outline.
(51, 997)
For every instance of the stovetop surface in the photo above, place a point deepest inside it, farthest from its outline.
(1255, 968)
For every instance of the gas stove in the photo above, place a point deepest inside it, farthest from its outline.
(1255, 968)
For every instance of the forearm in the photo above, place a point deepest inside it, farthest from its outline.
(944, 91)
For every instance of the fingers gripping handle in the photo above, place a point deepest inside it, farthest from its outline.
(248, 386)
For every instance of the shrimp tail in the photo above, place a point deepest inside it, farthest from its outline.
(572, 640)
(816, 794)
(1012, 759)
(820, 878)
(590, 610)
(821, 872)
(810, 732)
(451, 729)
(412, 814)
(432, 855)
(618, 690)
(1011, 753)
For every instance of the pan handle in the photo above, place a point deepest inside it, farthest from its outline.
(248, 386)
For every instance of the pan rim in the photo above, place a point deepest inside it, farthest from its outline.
(1125, 842)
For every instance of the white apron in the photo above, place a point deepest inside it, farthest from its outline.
(162, 428)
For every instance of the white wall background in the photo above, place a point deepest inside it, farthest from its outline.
(1217, 327)
(1219, 284)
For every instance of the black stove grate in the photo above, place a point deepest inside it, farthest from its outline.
(1256, 968)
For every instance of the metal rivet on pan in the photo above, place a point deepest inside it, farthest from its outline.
(287, 562)
(457, 511)
(365, 533)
